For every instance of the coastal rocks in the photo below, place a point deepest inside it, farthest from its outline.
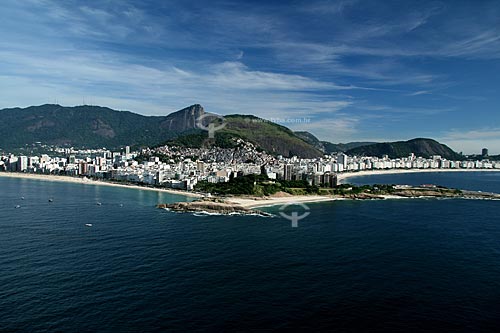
(445, 193)
(362, 196)
(211, 207)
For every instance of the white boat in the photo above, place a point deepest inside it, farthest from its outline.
(88, 224)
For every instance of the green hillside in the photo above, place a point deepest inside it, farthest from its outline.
(268, 136)
(271, 137)
(90, 126)
(312, 140)
(95, 127)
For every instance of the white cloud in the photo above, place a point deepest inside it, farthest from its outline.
(238, 76)
(105, 78)
(420, 92)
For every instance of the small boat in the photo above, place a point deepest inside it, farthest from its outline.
(51, 200)
(99, 204)
(22, 198)
(88, 224)
(17, 206)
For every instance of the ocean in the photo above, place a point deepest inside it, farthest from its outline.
(383, 265)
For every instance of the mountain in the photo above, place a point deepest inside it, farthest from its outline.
(420, 147)
(95, 126)
(271, 137)
(90, 126)
(343, 147)
(328, 147)
(183, 120)
(312, 140)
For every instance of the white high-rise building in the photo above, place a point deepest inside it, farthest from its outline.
(22, 163)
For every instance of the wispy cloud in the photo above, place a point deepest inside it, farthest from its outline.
(227, 87)
(420, 92)
(238, 76)
(484, 133)
(471, 141)
(328, 7)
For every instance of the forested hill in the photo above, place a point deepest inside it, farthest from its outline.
(420, 147)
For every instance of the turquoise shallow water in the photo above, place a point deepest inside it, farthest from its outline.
(374, 265)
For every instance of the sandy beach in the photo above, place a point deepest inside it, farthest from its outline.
(87, 181)
(272, 201)
(342, 177)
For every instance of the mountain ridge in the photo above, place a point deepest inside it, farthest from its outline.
(83, 126)
(88, 126)
(96, 126)
(424, 147)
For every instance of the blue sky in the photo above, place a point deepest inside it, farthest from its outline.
(356, 70)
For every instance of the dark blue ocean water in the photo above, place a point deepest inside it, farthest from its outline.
(409, 265)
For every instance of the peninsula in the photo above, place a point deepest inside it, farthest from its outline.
(245, 205)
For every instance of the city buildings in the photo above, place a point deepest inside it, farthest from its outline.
(182, 168)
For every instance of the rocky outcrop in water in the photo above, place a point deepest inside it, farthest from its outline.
(212, 207)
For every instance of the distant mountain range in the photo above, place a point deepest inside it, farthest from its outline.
(90, 126)
(95, 126)
(420, 147)
(328, 147)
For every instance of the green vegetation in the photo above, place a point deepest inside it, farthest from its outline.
(273, 138)
(200, 139)
(87, 126)
(249, 184)
(90, 126)
(347, 189)
(259, 185)
(265, 135)
(193, 140)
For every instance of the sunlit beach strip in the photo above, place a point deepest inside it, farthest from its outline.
(273, 201)
(69, 179)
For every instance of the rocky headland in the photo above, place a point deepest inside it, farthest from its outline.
(211, 206)
(245, 205)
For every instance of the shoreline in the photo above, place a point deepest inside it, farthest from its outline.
(244, 201)
(273, 201)
(341, 177)
(88, 181)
